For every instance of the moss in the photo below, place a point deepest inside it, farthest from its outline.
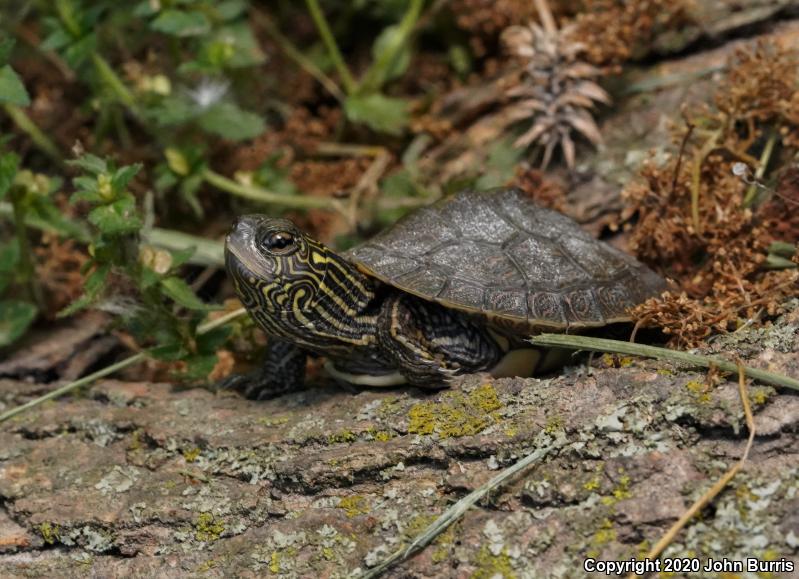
(456, 414)
(207, 529)
(354, 505)
(191, 454)
(383, 435)
(489, 566)
(342, 436)
(50, 533)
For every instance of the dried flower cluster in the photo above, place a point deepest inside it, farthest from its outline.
(719, 265)
(614, 29)
(556, 91)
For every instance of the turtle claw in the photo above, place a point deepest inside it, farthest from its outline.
(252, 386)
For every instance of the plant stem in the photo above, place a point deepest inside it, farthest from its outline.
(36, 135)
(122, 364)
(259, 194)
(27, 269)
(113, 82)
(546, 16)
(751, 192)
(297, 56)
(330, 42)
(376, 75)
(696, 177)
(617, 346)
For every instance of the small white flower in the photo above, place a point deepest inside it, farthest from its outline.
(209, 92)
(740, 169)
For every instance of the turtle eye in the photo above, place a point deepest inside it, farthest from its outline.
(278, 241)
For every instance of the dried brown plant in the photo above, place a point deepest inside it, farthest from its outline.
(695, 219)
(557, 88)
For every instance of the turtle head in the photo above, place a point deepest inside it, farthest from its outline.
(274, 265)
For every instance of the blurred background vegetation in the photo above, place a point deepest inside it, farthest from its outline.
(132, 133)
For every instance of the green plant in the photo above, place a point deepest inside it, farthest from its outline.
(137, 282)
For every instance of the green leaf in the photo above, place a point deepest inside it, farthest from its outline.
(91, 290)
(117, 218)
(15, 318)
(230, 9)
(90, 163)
(181, 256)
(214, 339)
(198, 366)
(12, 91)
(9, 163)
(181, 293)
(230, 122)
(181, 23)
(379, 112)
(9, 258)
(390, 40)
(6, 46)
(123, 176)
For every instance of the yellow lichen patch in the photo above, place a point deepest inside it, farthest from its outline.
(50, 533)
(342, 436)
(456, 414)
(274, 562)
(354, 505)
(622, 491)
(207, 528)
(273, 421)
(554, 424)
(699, 389)
(191, 454)
(606, 534)
(760, 395)
(490, 566)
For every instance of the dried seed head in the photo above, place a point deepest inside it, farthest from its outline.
(556, 90)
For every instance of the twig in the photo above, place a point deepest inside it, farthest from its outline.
(681, 155)
(330, 42)
(297, 56)
(696, 177)
(259, 194)
(719, 485)
(27, 126)
(605, 345)
(130, 361)
(367, 183)
(751, 192)
(456, 511)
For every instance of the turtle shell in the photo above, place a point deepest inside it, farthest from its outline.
(497, 254)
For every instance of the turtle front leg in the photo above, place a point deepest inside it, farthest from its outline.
(431, 344)
(283, 369)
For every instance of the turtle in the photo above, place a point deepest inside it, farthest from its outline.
(452, 288)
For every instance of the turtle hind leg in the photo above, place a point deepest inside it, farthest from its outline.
(431, 344)
(283, 370)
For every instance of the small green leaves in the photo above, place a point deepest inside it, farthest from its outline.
(9, 163)
(230, 122)
(15, 317)
(12, 91)
(379, 112)
(181, 23)
(117, 218)
(182, 294)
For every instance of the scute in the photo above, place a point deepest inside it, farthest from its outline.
(499, 254)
